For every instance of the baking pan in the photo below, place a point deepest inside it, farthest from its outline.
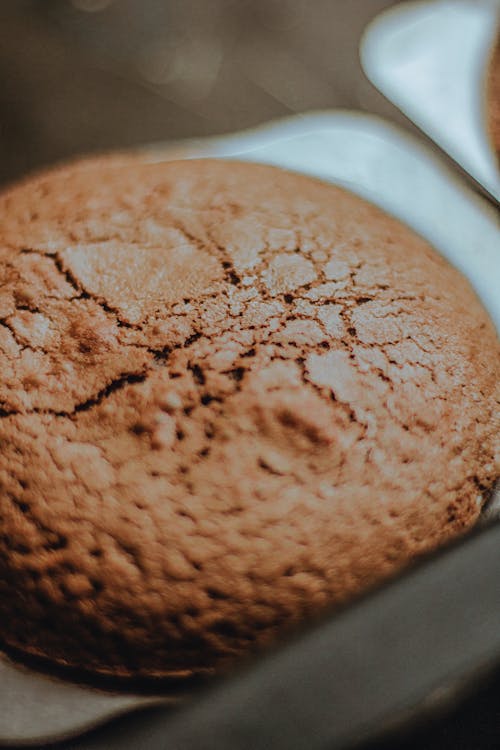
(408, 650)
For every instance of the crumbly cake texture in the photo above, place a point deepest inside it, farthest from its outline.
(231, 398)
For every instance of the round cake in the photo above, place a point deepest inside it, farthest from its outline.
(231, 399)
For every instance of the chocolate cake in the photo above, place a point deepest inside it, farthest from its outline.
(231, 399)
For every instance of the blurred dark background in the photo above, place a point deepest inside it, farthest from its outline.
(86, 75)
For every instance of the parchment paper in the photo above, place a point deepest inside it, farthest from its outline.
(430, 59)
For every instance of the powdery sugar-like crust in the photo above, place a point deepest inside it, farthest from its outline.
(231, 397)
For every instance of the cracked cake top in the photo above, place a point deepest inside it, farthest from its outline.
(231, 397)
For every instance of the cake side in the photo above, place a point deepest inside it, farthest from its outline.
(493, 99)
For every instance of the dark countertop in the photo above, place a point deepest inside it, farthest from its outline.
(74, 81)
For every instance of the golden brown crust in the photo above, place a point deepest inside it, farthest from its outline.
(231, 397)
